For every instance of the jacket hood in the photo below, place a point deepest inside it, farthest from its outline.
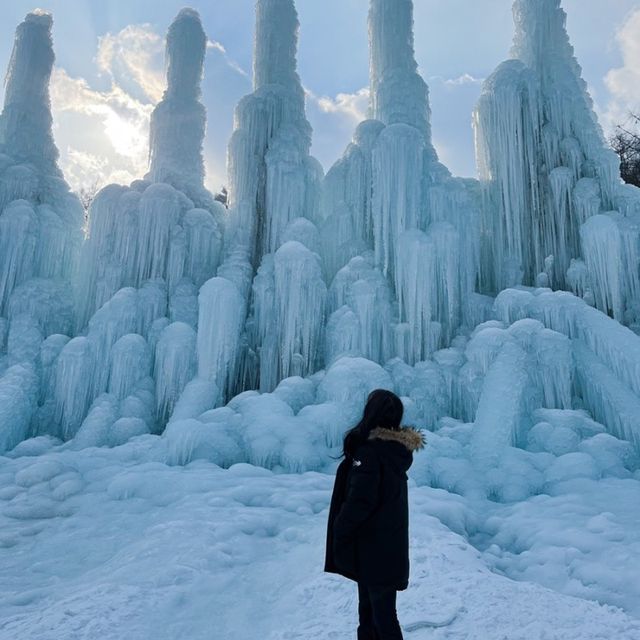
(411, 438)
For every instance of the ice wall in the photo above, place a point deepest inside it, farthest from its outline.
(547, 172)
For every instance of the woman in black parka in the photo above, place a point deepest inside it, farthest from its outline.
(368, 529)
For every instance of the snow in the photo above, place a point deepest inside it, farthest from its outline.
(145, 545)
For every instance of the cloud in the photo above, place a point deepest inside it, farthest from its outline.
(464, 79)
(353, 105)
(213, 44)
(102, 135)
(623, 83)
(134, 60)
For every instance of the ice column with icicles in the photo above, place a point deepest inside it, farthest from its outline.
(390, 195)
(40, 220)
(40, 234)
(274, 202)
(547, 171)
(167, 226)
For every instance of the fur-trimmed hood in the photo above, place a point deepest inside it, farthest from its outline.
(411, 438)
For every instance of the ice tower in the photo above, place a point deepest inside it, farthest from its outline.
(40, 233)
(166, 229)
(274, 198)
(391, 201)
(557, 214)
(26, 122)
(178, 121)
(398, 92)
(149, 248)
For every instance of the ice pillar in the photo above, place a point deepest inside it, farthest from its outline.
(542, 157)
(273, 179)
(276, 44)
(26, 122)
(399, 95)
(178, 121)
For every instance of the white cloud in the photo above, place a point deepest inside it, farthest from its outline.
(353, 105)
(623, 83)
(464, 79)
(214, 44)
(133, 59)
(102, 135)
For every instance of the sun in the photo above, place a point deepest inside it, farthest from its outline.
(124, 135)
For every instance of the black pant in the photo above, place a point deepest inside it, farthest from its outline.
(377, 613)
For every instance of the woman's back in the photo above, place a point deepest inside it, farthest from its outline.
(368, 535)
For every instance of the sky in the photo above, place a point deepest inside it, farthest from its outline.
(110, 72)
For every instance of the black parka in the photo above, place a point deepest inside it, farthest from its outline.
(368, 528)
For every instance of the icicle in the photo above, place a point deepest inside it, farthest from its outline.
(222, 312)
(296, 312)
(130, 363)
(203, 244)
(614, 282)
(397, 190)
(73, 389)
(175, 366)
(118, 317)
(18, 402)
(18, 241)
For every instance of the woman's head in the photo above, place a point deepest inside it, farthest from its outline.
(383, 409)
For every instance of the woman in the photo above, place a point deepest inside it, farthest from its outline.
(368, 529)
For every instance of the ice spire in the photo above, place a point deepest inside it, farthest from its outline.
(178, 121)
(26, 122)
(542, 43)
(271, 131)
(276, 44)
(554, 191)
(398, 92)
(274, 198)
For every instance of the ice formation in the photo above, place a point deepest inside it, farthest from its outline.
(129, 303)
(166, 229)
(390, 200)
(40, 231)
(274, 197)
(556, 211)
(254, 334)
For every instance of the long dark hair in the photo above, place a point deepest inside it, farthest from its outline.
(383, 409)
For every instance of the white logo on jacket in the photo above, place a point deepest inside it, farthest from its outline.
(356, 463)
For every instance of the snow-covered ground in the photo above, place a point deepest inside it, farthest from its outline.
(105, 543)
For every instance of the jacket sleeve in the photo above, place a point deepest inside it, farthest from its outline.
(362, 494)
